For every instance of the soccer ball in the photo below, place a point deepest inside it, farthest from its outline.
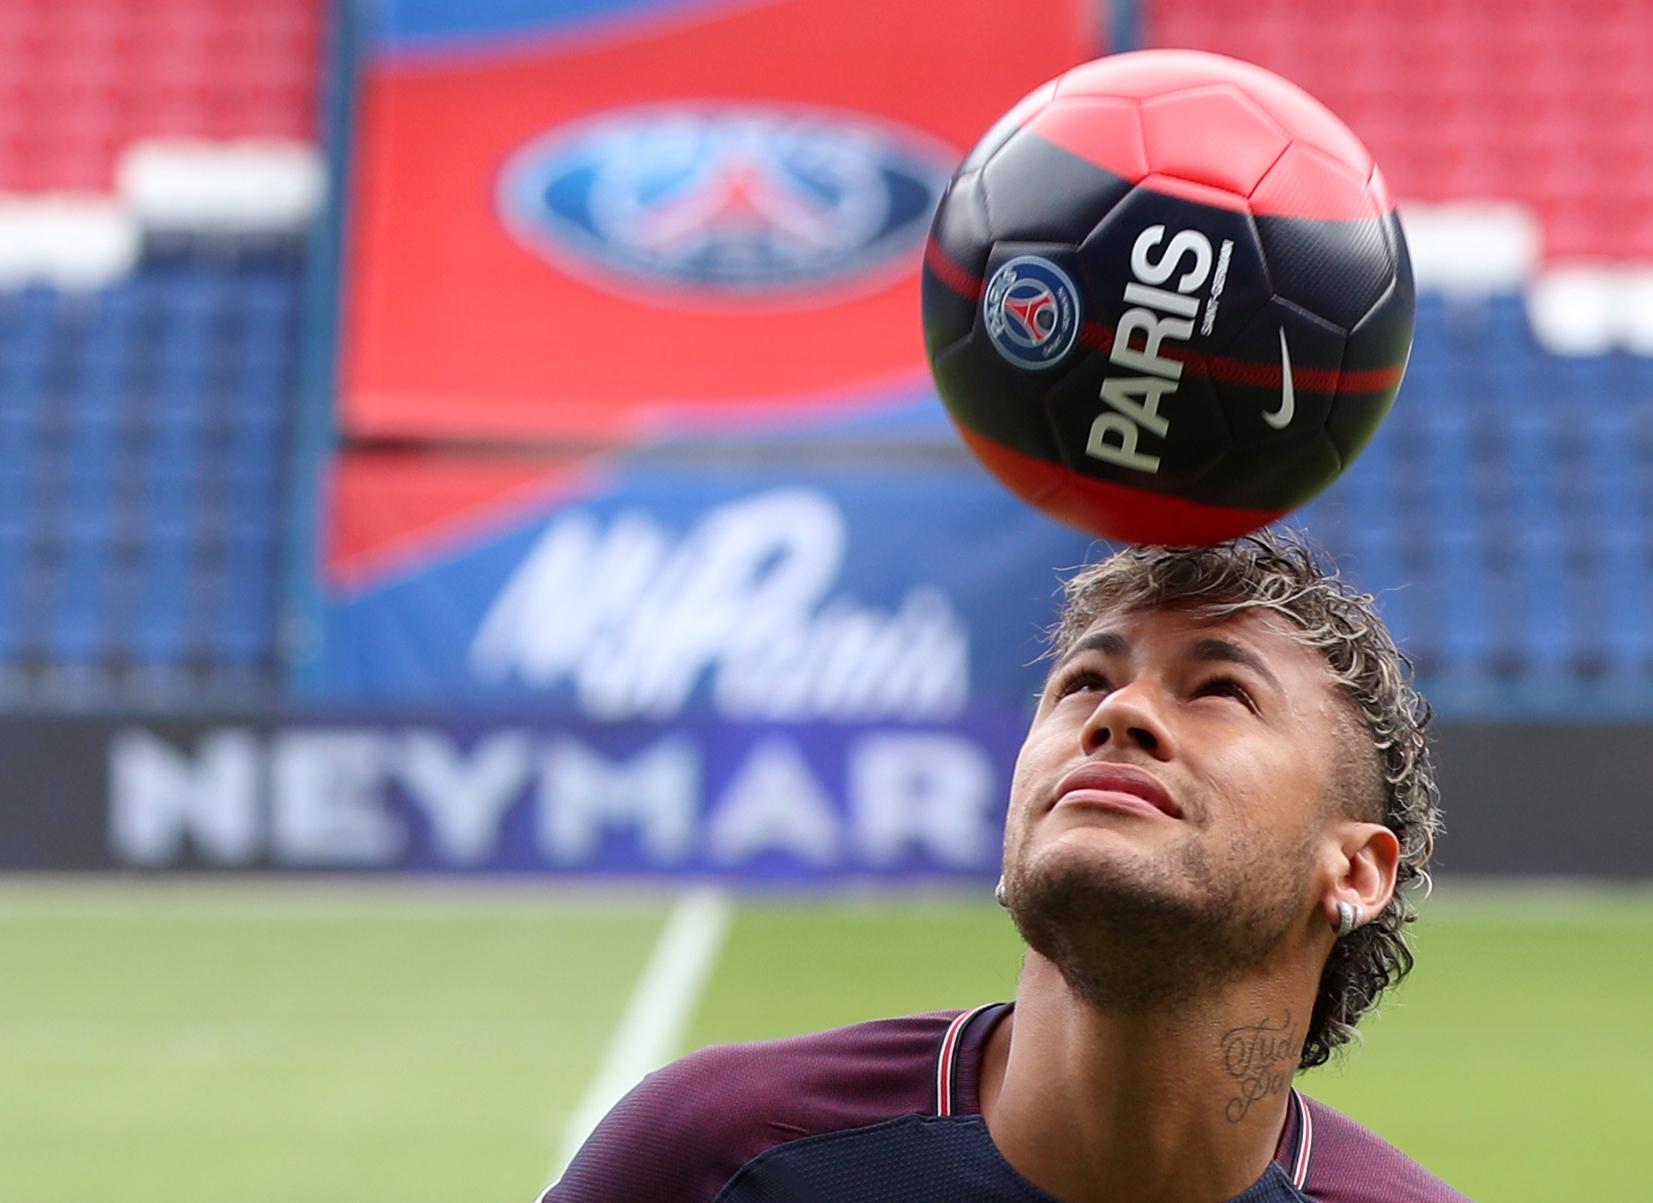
(1166, 298)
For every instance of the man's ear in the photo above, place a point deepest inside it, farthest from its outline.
(1362, 863)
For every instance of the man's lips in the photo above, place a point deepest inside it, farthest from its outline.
(1118, 787)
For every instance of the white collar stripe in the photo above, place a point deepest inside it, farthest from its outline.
(947, 1059)
(1305, 1143)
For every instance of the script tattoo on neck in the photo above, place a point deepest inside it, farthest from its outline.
(1261, 1058)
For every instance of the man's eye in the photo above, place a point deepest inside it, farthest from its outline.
(1225, 687)
(1084, 681)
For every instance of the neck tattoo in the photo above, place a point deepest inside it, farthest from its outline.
(1261, 1058)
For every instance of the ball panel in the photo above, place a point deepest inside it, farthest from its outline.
(1305, 118)
(984, 401)
(1293, 470)
(1105, 132)
(1373, 366)
(954, 258)
(1114, 511)
(1007, 125)
(1305, 182)
(986, 392)
(1381, 341)
(960, 229)
(1144, 73)
(1354, 419)
(1335, 269)
(1216, 136)
(1072, 194)
(1196, 193)
(947, 314)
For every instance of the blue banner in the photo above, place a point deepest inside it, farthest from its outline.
(763, 674)
(915, 596)
(762, 802)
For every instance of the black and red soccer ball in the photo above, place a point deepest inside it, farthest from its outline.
(1166, 298)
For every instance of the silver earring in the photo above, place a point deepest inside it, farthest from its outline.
(999, 895)
(1349, 917)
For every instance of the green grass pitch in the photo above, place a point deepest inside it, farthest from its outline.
(194, 1042)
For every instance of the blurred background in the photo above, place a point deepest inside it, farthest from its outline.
(489, 599)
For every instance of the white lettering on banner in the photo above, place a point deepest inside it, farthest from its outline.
(464, 797)
(774, 803)
(930, 790)
(322, 796)
(849, 662)
(583, 794)
(635, 621)
(327, 799)
(159, 796)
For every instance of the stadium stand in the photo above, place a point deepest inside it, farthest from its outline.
(145, 422)
(144, 433)
(1501, 512)
(82, 79)
(1541, 101)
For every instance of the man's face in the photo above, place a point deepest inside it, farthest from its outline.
(1166, 806)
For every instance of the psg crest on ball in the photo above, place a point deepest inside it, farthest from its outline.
(730, 200)
(1030, 310)
(1166, 298)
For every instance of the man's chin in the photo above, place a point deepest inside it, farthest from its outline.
(1130, 931)
(1117, 863)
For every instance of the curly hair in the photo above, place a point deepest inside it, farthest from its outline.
(1282, 573)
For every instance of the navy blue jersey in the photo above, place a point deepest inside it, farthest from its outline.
(887, 1112)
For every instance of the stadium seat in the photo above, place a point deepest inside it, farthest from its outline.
(81, 79)
(142, 436)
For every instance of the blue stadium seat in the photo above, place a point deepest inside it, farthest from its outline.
(142, 445)
(1503, 515)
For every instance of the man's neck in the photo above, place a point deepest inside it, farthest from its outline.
(1183, 1104)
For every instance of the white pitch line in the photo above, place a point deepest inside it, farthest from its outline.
(662, 1004)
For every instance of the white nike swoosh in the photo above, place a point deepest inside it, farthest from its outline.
(1281, 417)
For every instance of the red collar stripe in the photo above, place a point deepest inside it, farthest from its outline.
(1305, 1143)
(947, 1060)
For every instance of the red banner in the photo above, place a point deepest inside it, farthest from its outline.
(707, 215)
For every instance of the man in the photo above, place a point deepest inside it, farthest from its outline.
(1222, 795)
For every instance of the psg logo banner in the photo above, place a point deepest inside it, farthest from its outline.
(619, 220)
(697, 205)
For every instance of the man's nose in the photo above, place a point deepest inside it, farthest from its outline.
(1127, 717)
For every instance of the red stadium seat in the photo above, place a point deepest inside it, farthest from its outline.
(81, 78)
(1544, 101)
